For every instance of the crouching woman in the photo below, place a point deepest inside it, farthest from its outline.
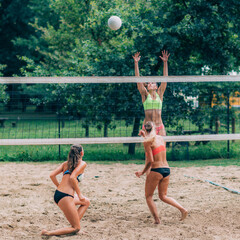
(68, 193)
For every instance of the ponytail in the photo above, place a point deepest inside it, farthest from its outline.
(74, 156)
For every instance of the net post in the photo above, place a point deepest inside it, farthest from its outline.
(228, 121)
(233, 126)
(59, 128)
(59, 136)
(187, 150)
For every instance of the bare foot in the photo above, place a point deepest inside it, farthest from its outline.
(157, 221)
(44, 232)
(184, 214)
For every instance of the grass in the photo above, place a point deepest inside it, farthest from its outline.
(178, 164)
(49, 128)
(204, 163)
(26, 128)
(119, 152)
(99, 152)
(94, 152)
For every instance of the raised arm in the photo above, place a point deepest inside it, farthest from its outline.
(163, 85)
(149, 161)
(140, 86)
(136, 58)
(78, 170)
(54, 173)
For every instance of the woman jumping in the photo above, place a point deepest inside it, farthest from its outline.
(159, 175)
(152, 96)
(65, 196)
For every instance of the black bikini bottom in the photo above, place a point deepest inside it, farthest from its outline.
(163, 171)
(59, 195)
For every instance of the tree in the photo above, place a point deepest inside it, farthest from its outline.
(197, 33)
(83, 46)
(3, 95)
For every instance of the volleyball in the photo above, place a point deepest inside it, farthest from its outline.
(114, 22)
(80, 177)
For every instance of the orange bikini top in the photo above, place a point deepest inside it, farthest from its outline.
(159, 149)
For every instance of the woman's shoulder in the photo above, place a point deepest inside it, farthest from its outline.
(65, 165)
(84, 163)
(81, 164)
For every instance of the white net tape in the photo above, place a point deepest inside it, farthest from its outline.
(122, 79)
(111, 140)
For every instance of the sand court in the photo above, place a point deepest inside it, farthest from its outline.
(118, 208)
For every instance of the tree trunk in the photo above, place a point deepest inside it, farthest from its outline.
(87, 131)
(131, 148)
(105, 129)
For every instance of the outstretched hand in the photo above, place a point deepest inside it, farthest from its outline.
(136, 57)
(138, 174)
(165, 56)
(82, 198)
(142, 133)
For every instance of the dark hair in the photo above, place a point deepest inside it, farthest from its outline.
(74, 156)
(148, 126)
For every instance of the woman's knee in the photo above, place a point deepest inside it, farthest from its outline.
(162, 197)
(148, 197)
(87, 202)
(77, 228)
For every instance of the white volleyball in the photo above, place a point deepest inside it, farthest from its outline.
(80, 177)
(114, 22)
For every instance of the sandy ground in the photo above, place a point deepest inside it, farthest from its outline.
(118, 209)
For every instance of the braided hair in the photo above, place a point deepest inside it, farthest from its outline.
(74, 156)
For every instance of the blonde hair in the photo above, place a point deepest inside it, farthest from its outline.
(151, 132)
(74, 156)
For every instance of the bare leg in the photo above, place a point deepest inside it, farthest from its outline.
(67, 205)
(162, 132)
(148, 171)
(162, 191)
(61, 231)
(151, 183)
(83, 205)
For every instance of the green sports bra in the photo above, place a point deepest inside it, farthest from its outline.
(152, 104)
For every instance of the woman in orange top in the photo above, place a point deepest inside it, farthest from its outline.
(159, 175)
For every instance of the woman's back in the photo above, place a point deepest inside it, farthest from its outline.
(159, 152)
(65, 184)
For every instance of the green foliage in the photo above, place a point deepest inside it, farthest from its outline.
(71, 38)
(4, 97)
(18, 36)
(117, 152)
(196, 33)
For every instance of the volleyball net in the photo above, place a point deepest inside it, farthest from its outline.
(109, 110)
